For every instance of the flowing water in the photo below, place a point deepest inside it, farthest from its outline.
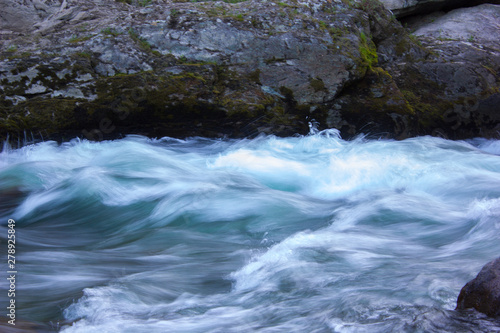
(298, 234)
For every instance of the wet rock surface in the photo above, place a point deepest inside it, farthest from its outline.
(404, 8)
(106, 68)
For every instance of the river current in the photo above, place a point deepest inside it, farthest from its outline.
(300, 234)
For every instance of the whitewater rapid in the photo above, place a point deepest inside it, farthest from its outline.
(301, 234)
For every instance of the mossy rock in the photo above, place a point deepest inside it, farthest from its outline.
(199, 99)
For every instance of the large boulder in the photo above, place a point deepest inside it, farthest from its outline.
(449, 85)
(182, 68)
(179, 68)
(21, 16)
(456, 89)
(483, 292)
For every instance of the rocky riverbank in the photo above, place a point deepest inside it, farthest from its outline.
(106, 68)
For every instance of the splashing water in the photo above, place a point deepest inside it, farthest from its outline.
(302, 234)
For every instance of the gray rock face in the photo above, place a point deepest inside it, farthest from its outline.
(19, 16)
(478, 24)
(464, 65)
(402, 8)
(483, 292)
(214, 68)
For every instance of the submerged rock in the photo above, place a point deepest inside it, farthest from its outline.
(483, 292)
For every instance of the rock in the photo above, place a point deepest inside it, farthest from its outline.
(446, 87)
(106, 68)
(211, 63)
(403, 8)
(23, 326)
(483, 292)
(475, 24)
(460, 75)
(21, 16)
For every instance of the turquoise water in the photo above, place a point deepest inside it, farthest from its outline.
(300, 234)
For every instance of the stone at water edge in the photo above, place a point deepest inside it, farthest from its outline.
(483, 292)
(404, 8)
